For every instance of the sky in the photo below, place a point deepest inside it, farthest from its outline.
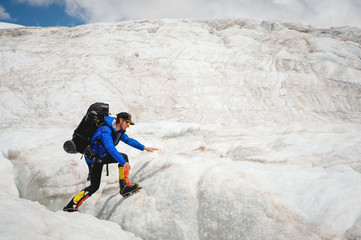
(45, 13)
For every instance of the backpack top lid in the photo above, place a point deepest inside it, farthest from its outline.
(99, 108)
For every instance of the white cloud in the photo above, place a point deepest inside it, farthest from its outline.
(3, 14)
(321, 13)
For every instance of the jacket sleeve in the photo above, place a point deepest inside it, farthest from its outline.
(132, 142)
(106, 138)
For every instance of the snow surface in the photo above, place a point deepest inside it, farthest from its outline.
(258, 125)
(4, 25)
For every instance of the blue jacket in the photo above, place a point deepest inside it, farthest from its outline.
(109, 138)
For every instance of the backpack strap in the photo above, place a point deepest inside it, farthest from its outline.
(90, 153)
(94, 157)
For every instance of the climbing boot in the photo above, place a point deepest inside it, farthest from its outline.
(76, 202)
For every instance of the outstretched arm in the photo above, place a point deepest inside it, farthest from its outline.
(134, 143)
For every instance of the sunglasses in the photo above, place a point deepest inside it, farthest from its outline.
(128, 123)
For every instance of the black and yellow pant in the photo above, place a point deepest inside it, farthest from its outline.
(96, 175)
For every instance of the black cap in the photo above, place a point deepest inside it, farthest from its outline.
(125, 116)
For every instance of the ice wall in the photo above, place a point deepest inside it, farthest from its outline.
(243, 72)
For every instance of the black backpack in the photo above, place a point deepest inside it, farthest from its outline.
(94, 118)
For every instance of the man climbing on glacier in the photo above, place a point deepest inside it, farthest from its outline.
(103, 151)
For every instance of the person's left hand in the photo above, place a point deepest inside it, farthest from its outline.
(150, 149)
